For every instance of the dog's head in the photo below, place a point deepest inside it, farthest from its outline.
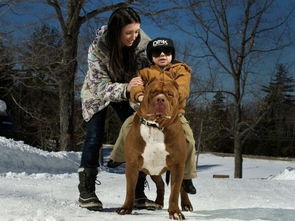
(160, 101)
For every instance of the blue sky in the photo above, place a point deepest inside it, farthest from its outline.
(20, 23)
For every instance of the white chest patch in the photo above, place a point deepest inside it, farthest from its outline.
(154, 155)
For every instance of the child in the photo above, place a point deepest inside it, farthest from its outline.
(161, 53)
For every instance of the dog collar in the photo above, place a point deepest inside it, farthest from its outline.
(150, 123)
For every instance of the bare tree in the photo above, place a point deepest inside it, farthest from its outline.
(4, 9)
(6, 70)
(236, 34)
(5, 3)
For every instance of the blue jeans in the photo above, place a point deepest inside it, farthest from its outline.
(95, 133)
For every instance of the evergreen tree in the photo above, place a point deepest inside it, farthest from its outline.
(280, 88)
(276, 131)
(218, 109)
(218, 140)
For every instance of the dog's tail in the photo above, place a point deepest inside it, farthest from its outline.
(167, 178)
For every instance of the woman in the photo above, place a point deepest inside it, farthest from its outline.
(113, 59)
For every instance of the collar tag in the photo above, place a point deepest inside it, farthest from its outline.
(150, 123)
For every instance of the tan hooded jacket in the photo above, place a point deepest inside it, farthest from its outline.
(179, 71)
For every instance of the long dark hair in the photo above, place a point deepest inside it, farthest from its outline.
(122, 60)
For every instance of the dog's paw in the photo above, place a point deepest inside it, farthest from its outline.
(123, 211)
(187, 207)
(176, 216)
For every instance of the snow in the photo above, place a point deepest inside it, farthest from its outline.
(42, 186)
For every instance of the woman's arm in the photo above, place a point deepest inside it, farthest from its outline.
(99, 83)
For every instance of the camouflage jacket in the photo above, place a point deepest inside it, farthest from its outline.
(98, 89)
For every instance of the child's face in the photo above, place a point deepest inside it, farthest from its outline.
(162, 57)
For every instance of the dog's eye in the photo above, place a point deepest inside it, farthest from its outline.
(170, 94)
(154, 92)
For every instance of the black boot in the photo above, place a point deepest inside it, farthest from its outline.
(141, 201)
(88, 198)
(188, 186)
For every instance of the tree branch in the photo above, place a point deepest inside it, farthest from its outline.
(93, 13)
(56, 6)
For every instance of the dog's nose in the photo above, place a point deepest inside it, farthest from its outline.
(160, 100)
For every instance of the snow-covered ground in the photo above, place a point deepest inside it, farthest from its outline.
(42, 186)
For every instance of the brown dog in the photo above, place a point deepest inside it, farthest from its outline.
(155, 144)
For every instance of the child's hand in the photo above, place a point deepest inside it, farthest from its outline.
(140, 98)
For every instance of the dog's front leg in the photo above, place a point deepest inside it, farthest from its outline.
(176, 180)
(160, 191)
(131, 174)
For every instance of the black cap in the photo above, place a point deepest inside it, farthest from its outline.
(159, 43)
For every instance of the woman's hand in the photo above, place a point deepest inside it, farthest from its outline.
(134, 82)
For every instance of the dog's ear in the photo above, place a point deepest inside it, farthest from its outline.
(143, 107)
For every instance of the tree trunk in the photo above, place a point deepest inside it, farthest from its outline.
(67, 91)
(66, 95)
(238, 156)
(237, 132)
